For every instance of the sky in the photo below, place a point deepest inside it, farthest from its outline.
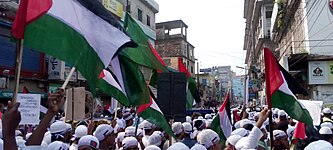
(215, 28)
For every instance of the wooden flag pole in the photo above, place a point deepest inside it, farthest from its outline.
(271, 129)
(137, 122)
(68, 78)
(19, 53)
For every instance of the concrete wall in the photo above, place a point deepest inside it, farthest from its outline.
(135, 4)
(323, 93)
(319, 23)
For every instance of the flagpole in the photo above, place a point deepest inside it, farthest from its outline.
(137, 121)
(68, 78)
(19, 53)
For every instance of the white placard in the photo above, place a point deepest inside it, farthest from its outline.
(29, 108)
(314, 108)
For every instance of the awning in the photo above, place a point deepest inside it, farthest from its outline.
(9, 94)
(298, 61)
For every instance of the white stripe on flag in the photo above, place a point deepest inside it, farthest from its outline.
(225, 123)
(109, 79)
(155, 106)
(94, 29)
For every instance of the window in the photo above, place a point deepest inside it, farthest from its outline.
(139, 14)
(148, 20)
(192, 70)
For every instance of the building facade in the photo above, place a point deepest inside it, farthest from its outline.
(300, 38)
(173, 45)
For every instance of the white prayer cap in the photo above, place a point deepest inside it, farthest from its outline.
(247, 109)
(102, 131)
(277, 134)
(139, 132)
(158, 133)
(257, 109)
(233, 139)
(240, 131)
(18, 133)
(237, 124)
(120, 136)
(89, 140)
(320, 144)
(57, 145)
(245, 121)
(257, 114)
(325, 130)
(178, 146)
(276, 111)
(47, 137)
(80, 131)
(198, 147)
(187, 127)
(130, 131)
(327, 111)
(128, 116)
(290, 131)
(129, 142)
(27, 136)
(326, 124)
(19, 141)
(177, 128)
(152, 147)
(188, 119)
(155, 139)
(147, 125)
(208, 116)
(282, 113)
(200, 117)
(208, 138)
(208, 122)
(58, 126)
(68, 127)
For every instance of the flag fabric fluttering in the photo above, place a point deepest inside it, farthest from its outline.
(110, 86)
(278, 93)
(152, 113)
(143, 54)
(221, 124)
(25, 90)
(192, 87)
(82, 33)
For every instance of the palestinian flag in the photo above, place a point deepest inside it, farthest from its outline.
(152, 113)
(143, 54)
(191, 85)
(110, 86)
(278, 92)
(221, 124)
(82, 33)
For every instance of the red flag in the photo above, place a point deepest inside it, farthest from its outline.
(273, 76)
(25, 90)
(299, 132)
(182, 67)
(28, 11)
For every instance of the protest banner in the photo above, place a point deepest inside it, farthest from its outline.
(29, 108)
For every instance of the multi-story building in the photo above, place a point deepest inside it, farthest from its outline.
(172, 45)
(258, 14)
(238, 88)
(301, 35)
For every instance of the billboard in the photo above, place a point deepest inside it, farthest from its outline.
(320, 72)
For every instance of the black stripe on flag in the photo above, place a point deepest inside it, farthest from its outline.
(293, 85)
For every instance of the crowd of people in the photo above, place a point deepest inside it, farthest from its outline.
(124, 133)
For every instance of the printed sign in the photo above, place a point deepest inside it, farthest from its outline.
(320, 72)
(29, 108)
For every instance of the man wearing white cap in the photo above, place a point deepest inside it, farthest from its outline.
(88, 142)
(187, 135)
(130, 143)
(128, 117)
(58, 145)
(327, 113)
(106, 137)
(177, 129)
(80, 131)
(149, 129)
(318, 145)
(280, 139)
(326, 134)
(178, 146)
(59, 132)
(210, 139)
(231, 142)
